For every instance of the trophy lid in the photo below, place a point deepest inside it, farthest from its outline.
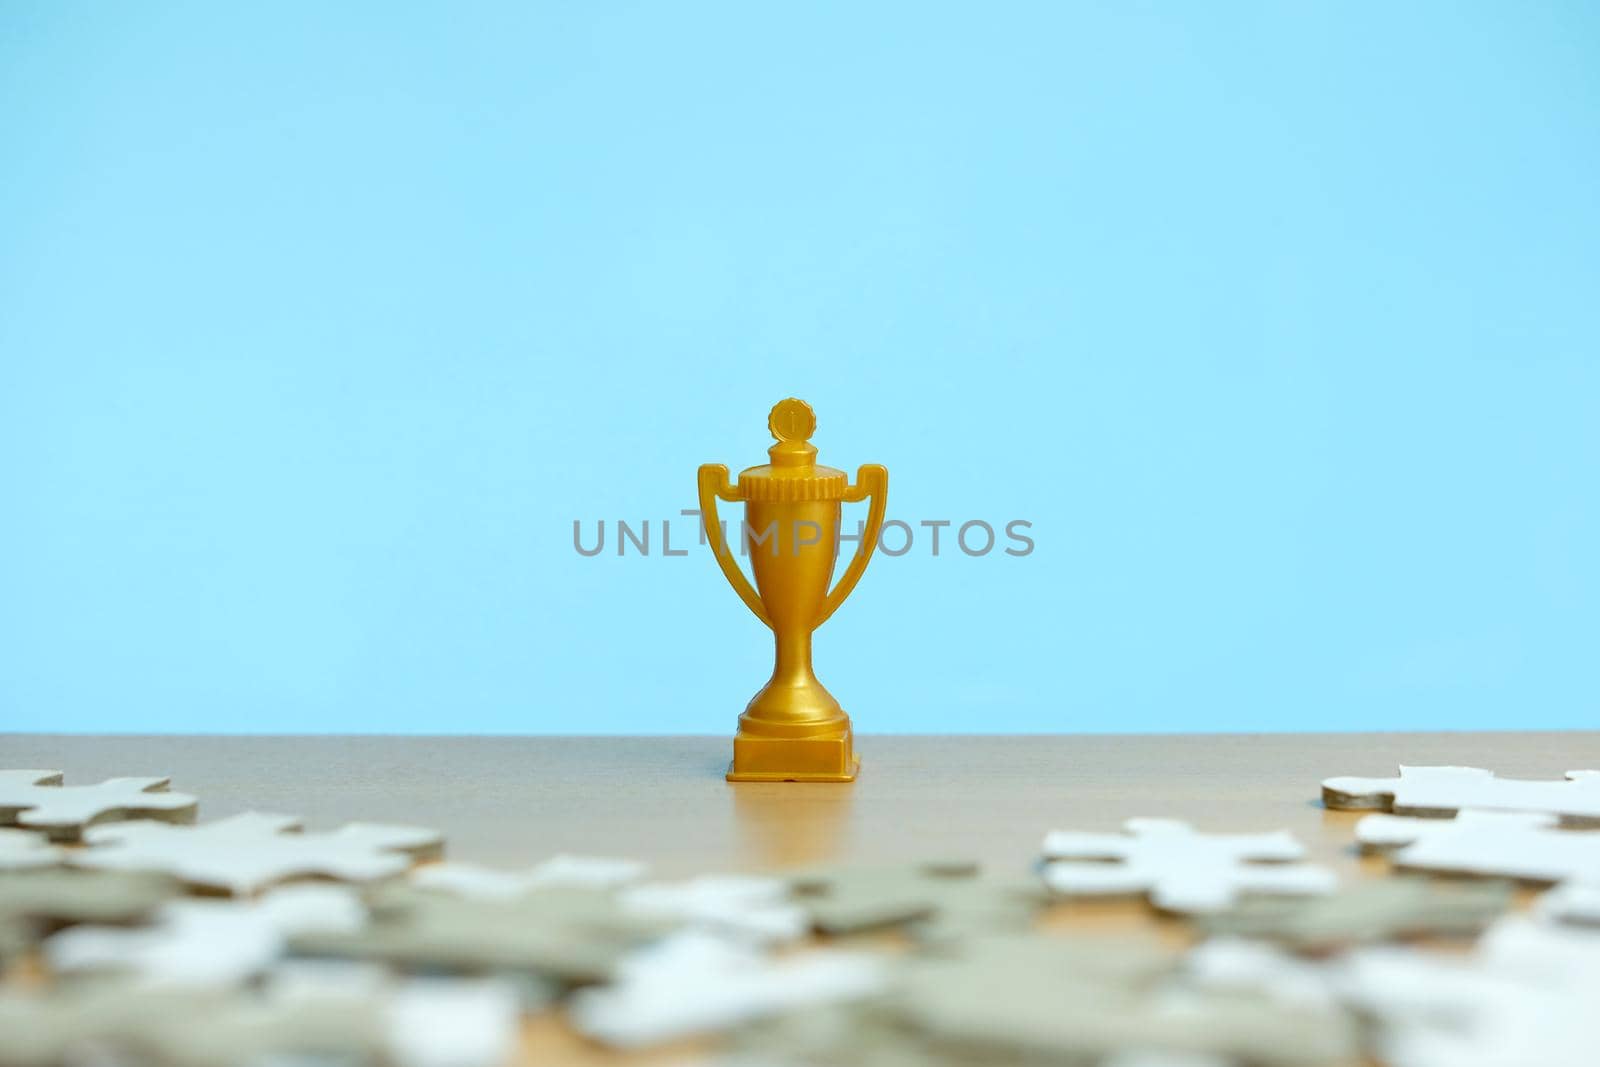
(793, 473)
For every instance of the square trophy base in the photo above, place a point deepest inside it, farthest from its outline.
(793, 759)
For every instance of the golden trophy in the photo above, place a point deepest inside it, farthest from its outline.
(793, 730)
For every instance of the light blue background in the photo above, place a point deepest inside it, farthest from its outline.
(320, 324)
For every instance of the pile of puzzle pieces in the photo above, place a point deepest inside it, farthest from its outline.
(133, 934)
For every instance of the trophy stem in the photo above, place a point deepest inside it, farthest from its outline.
(793, 703)
(792, 662)
(793, 730)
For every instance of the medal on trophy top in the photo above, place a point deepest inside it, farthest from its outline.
(793, 730)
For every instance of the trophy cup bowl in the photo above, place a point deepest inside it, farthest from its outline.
(793, 730)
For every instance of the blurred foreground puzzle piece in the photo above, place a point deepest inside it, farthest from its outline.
(427, 1022)
(1008, 1008)
(557, 872)
(565, 935)
(1370, 911)
(35, 903)
(1437, 791)
(1180, 869)
(119, 1023)
(1261, 969)
(380, 1023)
(1577, 903)
(741, 906)
(26, 850)
(1525, 996)
(36, 800)
(246, 853)
(933, 900)
(1041, 999)
(207, 943)
(695, 982)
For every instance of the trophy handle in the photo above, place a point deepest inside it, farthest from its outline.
(872, 480)
(713, 484)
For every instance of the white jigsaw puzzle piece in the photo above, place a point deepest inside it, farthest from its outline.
(1444, 790)
(246, 853)
(1538, 952)
(741, 905)
(428, 1022)
(1167, 1059)
(1531, 847)
(1228, 964)
(453, 1022)
(207, 943)
(36, 800)
(26, 850)
(1179, 868)
(1577, 903)
(1526, 996)
(695, 982)
(558, 872)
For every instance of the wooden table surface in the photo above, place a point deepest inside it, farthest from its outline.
(516, 800)
(512, 801)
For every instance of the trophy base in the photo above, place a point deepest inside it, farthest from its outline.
(794, 759)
